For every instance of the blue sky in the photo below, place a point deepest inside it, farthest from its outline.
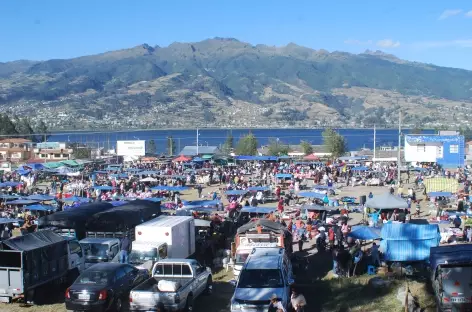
(428, 31)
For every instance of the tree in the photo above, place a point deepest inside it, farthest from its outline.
(171, 148)
(7, 127)
(80, 151)
(416, 130)
(229, 143)
(307, 148)
(42, 131)
(466, 132)
(247, 145)
(151, 147)
(334, 143)
(277, 148)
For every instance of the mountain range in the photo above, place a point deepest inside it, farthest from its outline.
(223, 82)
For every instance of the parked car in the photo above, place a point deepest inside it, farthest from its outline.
(267, 271)
(103, 287)
(191, 280)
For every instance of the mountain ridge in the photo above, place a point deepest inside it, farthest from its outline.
(226, 82)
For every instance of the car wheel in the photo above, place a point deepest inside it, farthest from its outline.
(118, 305)
(209, 286)
(189, 304)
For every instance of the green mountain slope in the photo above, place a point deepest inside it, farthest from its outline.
(225, 82)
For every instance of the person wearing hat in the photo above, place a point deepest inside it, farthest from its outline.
(298, 301)
(276, 305)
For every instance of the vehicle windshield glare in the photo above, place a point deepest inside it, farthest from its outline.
(95, 249)
(260, 278)
(137, 256)
(94, 277)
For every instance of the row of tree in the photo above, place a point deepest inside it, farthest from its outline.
(23, 128)
(334, 143)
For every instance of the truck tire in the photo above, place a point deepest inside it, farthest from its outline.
(189, 304)
(209, 286)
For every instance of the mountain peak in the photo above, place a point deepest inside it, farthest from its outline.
(226, 39)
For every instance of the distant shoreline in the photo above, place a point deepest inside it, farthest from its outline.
(52, 132)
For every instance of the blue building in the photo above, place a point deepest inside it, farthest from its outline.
(445, 150)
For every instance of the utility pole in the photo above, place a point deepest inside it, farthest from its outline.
(399, 146)
(197, 141)
(375, 132)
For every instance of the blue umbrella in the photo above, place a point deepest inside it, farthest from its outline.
(39, 208)
(10, 183)
(360, 168)
(170, 188)
(148, 172)
(365, 233)
(76, 199)
(103, 187)
(8, 220)
(258, 188)
(40, 197)
(311, 195)
(133, 170)
(236, 192)
(22, 202)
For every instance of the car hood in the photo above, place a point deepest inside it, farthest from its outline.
(257, 294)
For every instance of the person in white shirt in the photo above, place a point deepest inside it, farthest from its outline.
(276, 305)
(298, 301)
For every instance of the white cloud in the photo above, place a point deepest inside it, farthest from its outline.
(458, 43)
(388, 43)
(449, 13)
(468, 14)
(357, 42)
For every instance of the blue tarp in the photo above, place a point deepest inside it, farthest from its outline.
(198, 159)
(41, 197)
(34, 166)
(360, 168)
(7, 220)
(9, 183)
(148, 172)
(101, 172)
(437, 194)
(76, 199)
(133, 170)
(170, 188)
(258, 188)
(39, 208)
(365, 233)
(155, 199)
(200, 203)
(117, 203)
(22, 202)
(6, 196)
(236, 192)
(284, 175)
(256, 158)
(323, 187)
(408, 242)
(264, 210)
(103, 187)
(119, 175)
(311, 195)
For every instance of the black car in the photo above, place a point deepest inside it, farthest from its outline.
(103, 287)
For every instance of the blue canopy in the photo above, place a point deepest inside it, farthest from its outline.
(148, 172)
(360, 168)
(101, 172)
(41, 197)
(264, 210)
(22, 202)
(311, 195)
(6, 196)
(365, 233)
(437, 194)
(315, 207)
(236, 192)
(119, 175)
(10, 183)
(155, 199)
(419, 169)
(76, 199)
(34, 166)
(103, 187)
(198, 159)
(284, 175)
(8, 220)
(200, 203)
(133, 169)
(170, 188)
(39, 208)
(258, 188)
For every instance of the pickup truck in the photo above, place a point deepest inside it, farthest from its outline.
(193, 279)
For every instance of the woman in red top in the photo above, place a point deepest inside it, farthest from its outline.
(280, 206)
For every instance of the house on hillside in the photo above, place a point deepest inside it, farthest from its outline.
(52, 151)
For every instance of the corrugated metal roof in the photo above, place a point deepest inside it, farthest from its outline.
(408, 242)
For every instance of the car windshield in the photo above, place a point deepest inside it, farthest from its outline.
(95, 249)
(241, 257)
(139, 256)
(260, 278)
(94, 277)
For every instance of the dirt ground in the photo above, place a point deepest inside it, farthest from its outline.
(323, 293)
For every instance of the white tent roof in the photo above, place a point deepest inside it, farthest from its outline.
(386, 201)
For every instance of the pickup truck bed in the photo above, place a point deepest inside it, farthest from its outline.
(151, 284)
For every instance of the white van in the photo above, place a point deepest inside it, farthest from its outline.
(267, 271)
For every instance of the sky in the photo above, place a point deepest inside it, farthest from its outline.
(435, 32)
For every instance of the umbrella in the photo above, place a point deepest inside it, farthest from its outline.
(181, 158)
(41, 197)
(236, 192)
(312, 195)
(39, 208)
(365, 233)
